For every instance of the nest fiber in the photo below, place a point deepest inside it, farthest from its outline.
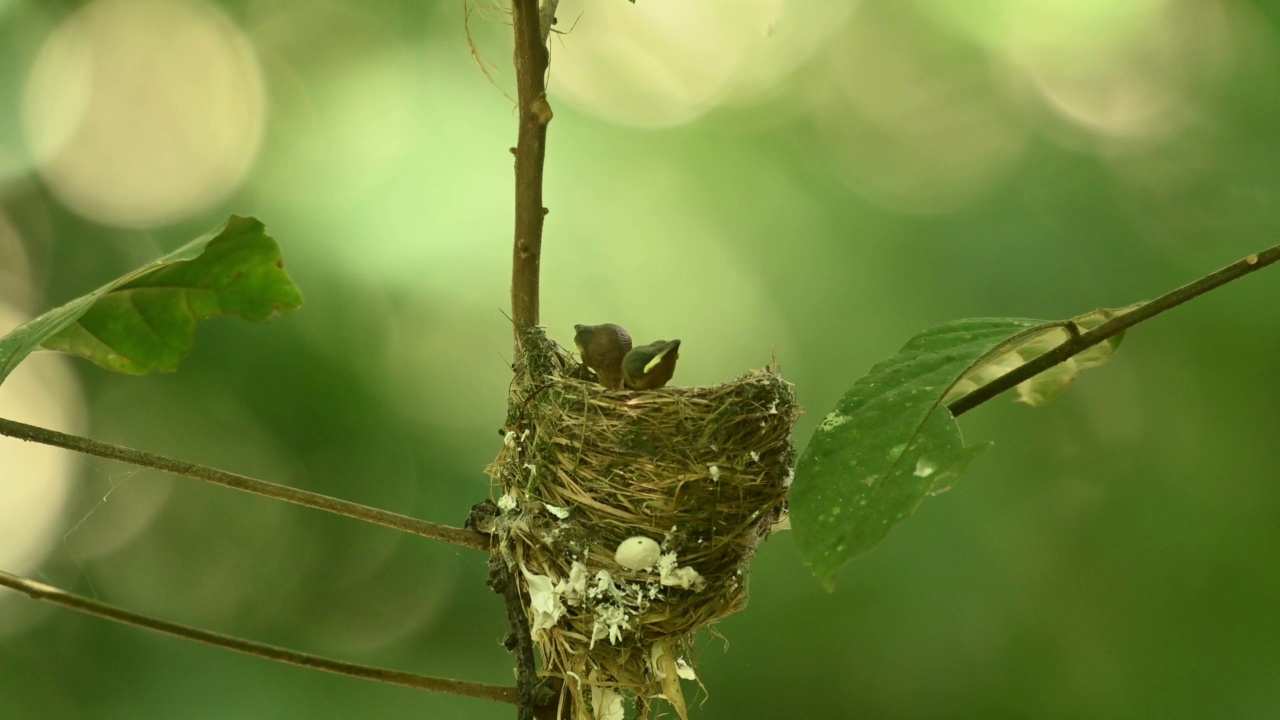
(692, 478)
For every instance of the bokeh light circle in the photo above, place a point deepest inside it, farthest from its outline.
(909, 115)
(1119, 77)
(35, 480)
(660, 63)
(141, 112)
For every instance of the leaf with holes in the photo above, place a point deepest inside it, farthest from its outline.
(146, 321)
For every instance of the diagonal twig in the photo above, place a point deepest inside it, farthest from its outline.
(79, 603)
(1080, 342)
(204, 473)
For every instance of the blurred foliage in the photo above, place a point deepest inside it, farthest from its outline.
(812, 184)
(146, 320)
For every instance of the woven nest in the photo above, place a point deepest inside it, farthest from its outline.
(703, 472)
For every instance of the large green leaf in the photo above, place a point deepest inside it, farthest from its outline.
(888, 443)
(146, 320)
(890, 440)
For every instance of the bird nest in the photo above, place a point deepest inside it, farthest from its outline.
(690, 478)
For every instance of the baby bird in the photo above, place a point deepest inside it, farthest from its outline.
(602, 348)
(650, 366)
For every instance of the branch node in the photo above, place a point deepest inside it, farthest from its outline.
(542, 110)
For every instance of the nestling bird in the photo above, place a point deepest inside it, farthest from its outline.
(602, 348)
(650, 366)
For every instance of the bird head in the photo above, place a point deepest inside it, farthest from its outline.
(602, 348)
(650, 366)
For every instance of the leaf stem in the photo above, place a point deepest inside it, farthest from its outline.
(142, 458)
(1082, 341)
(81, 604)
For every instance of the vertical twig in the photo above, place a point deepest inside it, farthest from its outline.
(531, 58)
(518, 639)
(535, 113)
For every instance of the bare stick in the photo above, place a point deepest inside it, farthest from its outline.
(531, 149)
(142, 458)
(531, 58)
(82, 604)
(1082, 341)
(519, 640)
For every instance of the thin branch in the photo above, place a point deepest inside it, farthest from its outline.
(142, 458)
(531, 148)
(85, 605)
(519, 639)
(1082, 341)
(531, 58)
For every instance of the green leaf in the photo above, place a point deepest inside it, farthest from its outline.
(145, 321)
(888, 443)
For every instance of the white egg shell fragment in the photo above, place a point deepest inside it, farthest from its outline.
(638, 553)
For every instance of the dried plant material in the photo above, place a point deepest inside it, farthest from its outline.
(702, 473)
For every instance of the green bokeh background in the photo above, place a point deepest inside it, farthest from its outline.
(1114, 556)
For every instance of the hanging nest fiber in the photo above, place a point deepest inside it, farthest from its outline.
(702, 473)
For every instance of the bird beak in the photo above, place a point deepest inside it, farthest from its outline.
(657, 359)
